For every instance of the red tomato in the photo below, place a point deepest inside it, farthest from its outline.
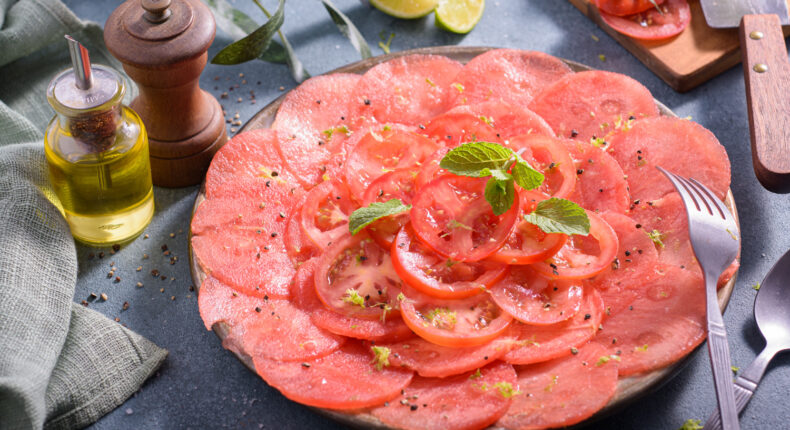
(583, 256)
(625, 7)
(438, 276)
(452, 217)
(533, 299)
(398, 184)
(652, 24)
(527, 243)
(382, 151)
(430, 169)
(324, 216)
(355, 277)
(461, 322)
(548, 155)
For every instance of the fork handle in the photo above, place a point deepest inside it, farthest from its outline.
(719, 352)
(745, 385)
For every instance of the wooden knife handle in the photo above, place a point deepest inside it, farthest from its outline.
(767, 74)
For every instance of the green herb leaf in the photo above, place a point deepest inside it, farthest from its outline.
(381, 356)
(477, 159)
(385, 42)
(691, 424)
(348, 29)
(298, 71)
(254, 44)
(363, 217)
(238, 24)
(525, 175)
(500, 194)
(560, 216)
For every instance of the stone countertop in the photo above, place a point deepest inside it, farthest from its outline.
(202, 386)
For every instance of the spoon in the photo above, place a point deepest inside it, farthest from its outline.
(772, 313)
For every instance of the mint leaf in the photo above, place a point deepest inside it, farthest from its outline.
(363, 217)
(560, 216)
(525, 175)
(500, 194)
(477, 159)
(500, 175)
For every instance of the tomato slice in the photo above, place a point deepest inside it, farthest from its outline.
(452, 217)
(651, 24)
(398, 184)
(438, 276)
(533, 299)
(583, 256)
(430, 169)
(324, 216)
(461, 322)
(527, 243)
(355, 277)
(381, 151)
(549, 155)
(626, 7)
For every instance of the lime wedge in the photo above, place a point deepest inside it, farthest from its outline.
(459, 16)
(407, 9)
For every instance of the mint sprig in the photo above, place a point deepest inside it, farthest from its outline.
(484, 159)
(363, 217)
(560, 216)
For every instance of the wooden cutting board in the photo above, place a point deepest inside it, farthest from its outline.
(696, 55)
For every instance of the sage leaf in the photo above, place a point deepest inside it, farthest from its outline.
(348, 29)
(254, 44)
(560, 216)
(298, 72)
(363, 217)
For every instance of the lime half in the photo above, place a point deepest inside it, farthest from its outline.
(405, 8)
(459, 16)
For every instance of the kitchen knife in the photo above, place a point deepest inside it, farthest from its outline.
(767, 75)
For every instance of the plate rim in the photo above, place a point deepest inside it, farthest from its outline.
(629, 389)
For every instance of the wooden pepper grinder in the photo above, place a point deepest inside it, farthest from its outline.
(162, 45)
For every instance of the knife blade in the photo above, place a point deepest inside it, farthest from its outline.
(728, 13)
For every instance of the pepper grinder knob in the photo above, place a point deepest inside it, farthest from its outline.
(162, 45)
(156, 11)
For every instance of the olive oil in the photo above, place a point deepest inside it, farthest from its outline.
(97, 153)
(107, 196)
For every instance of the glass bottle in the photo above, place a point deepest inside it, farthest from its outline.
(97, 152)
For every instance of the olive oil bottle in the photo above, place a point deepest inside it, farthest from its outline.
(97, 152)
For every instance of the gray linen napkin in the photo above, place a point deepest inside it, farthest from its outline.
(62, 366)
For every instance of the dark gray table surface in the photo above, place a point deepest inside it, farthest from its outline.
(201, 385)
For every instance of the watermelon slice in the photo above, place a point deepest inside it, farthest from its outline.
(592, 104)
(600, 182)
(407, 90)
(468, 401)
(345, 379)
(431, 360)
(510, 75)
(564, 391)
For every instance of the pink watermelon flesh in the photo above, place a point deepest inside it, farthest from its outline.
(564, 391)
(587, 104)
(243, 167)
(407, 90)
(315, 119)
(344, 379)
(509, 75)
(467, 401)
(679, 146)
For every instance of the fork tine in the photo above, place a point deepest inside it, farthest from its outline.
(684, 193)
(718, 203)
(698, 193)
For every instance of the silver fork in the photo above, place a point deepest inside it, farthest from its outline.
(715, 240)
